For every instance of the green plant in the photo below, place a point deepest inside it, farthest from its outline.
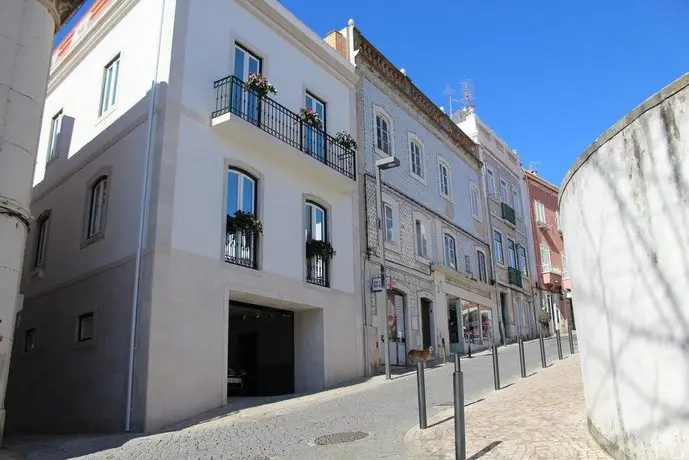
(310, 117)
(259, 85)
(244, 222)
(346, 140)
(319, 248)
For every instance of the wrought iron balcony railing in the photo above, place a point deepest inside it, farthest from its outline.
(280, 122)
(241, 249)
(317, 271)
(514, 276)
(508, 214)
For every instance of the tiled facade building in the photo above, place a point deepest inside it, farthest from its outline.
(432, 220)
(509, 229)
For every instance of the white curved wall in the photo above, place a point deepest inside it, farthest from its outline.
(624, 208)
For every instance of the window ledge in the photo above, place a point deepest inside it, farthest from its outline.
(423, 259)
(382, 154)
(92, 239)
(105, 115)
(84, 345)
(418, 178)
(447, 197)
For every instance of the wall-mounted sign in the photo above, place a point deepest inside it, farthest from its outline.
(377, 286)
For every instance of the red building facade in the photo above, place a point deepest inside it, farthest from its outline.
(552, 281)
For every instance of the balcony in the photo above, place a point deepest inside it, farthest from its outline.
(240, 249)
(552, 276)
(283, 124)
(508, 214)
(514, 276)
(317, 271)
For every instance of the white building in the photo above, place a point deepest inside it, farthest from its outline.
(510, 231)
(144, 302)
(433, 227)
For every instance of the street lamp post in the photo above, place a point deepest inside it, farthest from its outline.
(381, 164)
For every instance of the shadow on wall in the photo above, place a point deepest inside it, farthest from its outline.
(59, 384)
(626, 222)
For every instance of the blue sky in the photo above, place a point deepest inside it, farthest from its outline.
(549, 77)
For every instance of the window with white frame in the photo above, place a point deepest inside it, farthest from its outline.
(497, 243)
(511, 254)
(421, 238)
(416, 158)
(55, 131)
(545, 258)
(467, 265)
(383, 134)
(523, 261)
(108, 94)
(97, 207)
(481, 260)
(503, 192)
(539, 212)
(389, 217)
(41, 239)
(444, 178)
(491, 181)
(565, 266)
(516, 201)
(240, 246)
(450, 251)
(315, 228)
(475, 201)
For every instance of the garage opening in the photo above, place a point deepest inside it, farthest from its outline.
(261, 351)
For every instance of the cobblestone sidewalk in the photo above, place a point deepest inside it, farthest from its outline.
(541, 417)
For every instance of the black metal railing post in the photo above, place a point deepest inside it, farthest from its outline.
(460, 430)
(559, 343)
(522, 359)
(496, 368)
(421, 393)
(571, 338)
(542, 345)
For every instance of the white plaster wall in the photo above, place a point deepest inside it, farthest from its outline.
(625, 214)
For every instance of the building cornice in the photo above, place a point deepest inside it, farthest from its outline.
(389, 73)
(278, 18)
(544, 184)
(65, 9)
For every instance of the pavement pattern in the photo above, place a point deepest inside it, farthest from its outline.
(542, 417)
(326, 425)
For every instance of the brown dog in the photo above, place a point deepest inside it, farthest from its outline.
(419, 355)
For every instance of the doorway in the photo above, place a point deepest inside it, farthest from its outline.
(396, 317)
(260, 358)
(426, 323)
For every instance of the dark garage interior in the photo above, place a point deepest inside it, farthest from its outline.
(261, 351)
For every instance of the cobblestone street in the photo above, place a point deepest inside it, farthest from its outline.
(542, 417)
(307, 427)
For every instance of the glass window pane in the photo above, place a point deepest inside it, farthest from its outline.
(232, 192)
(307, 221)
(239, 63)
(248, 195)
(254, 65)
(319, 219)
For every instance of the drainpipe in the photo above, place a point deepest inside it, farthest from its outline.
(25, 46)
(143, 218)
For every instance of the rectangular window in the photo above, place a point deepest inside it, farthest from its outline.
(491, 181)
(108, 96)
(557, 218)
(523, 264)
(41, 237)
(482, 274)
(497, 240)
(245, 63)
(503, 192)
(511, 254)
(29, 340)
(314, 136)
(85, 327)
(415, 157)
(421, 240)
(516, 201)
(467, 264)
(565, 267)
(315, 230)
(545, 258)
(475, 203)
(389, 223)
(450, 251)
(55, 131)
(539, 211)
(383, 134)
(444, 178)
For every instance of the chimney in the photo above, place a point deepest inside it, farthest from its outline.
(337, 41)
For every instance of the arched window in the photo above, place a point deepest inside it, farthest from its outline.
(450, 251)
(240, 246)
(315, 228)
(97, 207)
(383, 130)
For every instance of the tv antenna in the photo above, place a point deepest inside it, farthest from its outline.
(468, 94)
(533, 164)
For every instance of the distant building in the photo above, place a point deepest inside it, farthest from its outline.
(509, 227)
(553, 283)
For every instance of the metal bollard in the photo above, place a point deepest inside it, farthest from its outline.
(496, 368)
(421, 391)
(542, 345)
(522, 360)
(444, 351)
(559, 343)
(460, 432)
(469, 348)
(571, 340)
